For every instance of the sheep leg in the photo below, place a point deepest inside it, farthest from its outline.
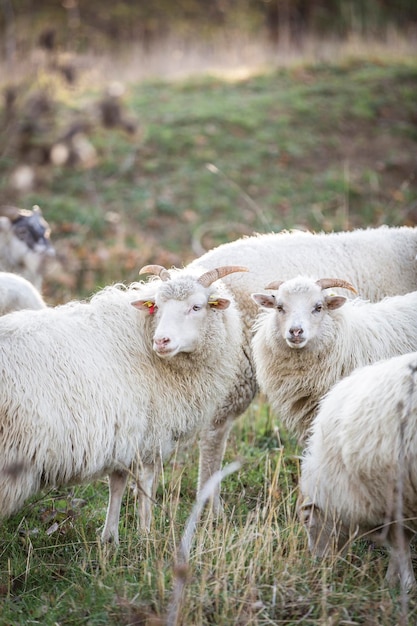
(117, 485)
(400, 568)
(212, 448)
(148, 480)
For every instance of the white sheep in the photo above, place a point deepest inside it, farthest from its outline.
(17, 293)
(378, 261)
(25, 243)
(96, 388)
(307, 339)
(359, 468)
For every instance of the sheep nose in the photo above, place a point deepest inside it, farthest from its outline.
(161, 343)
(296, 331)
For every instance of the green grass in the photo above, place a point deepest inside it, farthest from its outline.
(321, 147)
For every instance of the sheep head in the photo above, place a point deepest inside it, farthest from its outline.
(301, 306)
(29, 227)
(181, 306)
(326, 534)
(25, 243)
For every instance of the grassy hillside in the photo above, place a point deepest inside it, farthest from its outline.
(195, 163)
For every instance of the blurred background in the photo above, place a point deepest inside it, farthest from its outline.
(148, 132)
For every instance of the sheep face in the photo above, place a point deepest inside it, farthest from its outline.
(300, 307)
(25, 241)
(181, 310)
(30, 229)
(34, 231)
(325, 535)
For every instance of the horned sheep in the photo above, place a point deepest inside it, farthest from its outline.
(25, 243)
(306, 339)
(100, 387)
(17, 293)
(378, 261)
(359, 468)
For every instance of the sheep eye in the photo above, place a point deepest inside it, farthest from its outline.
(280, 308)
(196, 307)
(318, 308)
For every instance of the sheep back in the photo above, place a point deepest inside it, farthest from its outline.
(378, 261)
(363, 439)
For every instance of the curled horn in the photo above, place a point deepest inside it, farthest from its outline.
(209, 277)
(274, 285)
(326, 283)
(158, 270)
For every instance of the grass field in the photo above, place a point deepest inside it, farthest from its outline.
(320, 146)
(316, 146)
(250, 567)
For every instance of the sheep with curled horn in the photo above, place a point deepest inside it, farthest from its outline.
(125, 378)
(25, 243)
(306, 339)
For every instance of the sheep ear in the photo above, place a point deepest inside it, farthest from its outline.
(335, 302)
(145, 305)
(218, 303)
(265, 300)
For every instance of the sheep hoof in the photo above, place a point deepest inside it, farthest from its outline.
(109, 538)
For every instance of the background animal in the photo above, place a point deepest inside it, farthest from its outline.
(359, 468)
(307, 338)
(378, 261)
(103, 387)
(17, 293)
(25, 243)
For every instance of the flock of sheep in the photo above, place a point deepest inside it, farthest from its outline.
(111, 386)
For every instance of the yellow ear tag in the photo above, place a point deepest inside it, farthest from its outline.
(151, 307)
